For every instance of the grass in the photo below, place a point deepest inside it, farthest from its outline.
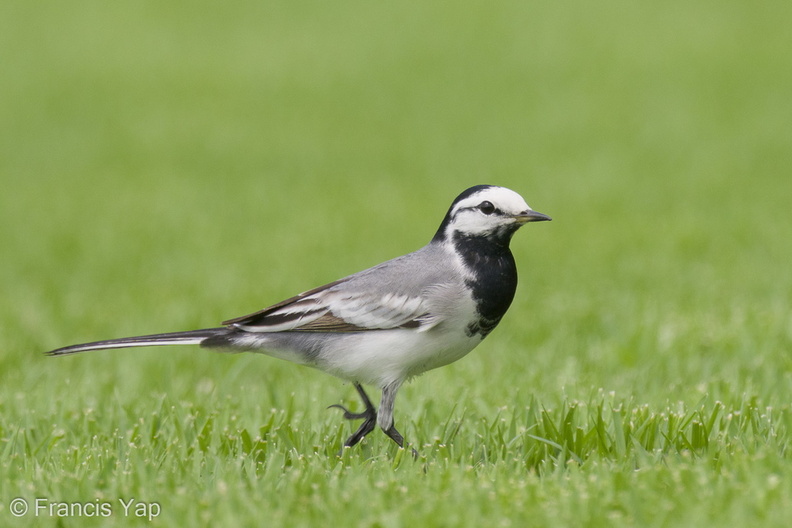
(168, 166)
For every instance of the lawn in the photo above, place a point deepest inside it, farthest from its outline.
(167, 166)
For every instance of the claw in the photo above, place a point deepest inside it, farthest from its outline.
(369, 417)
(349, 415)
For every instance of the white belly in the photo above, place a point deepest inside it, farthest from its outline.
(382, 357)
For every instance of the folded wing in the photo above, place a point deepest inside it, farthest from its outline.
(333, 309)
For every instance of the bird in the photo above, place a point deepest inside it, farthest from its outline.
(387, 324)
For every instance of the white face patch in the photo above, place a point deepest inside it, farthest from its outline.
(470, 218)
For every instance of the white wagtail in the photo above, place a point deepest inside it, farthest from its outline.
(386, 324)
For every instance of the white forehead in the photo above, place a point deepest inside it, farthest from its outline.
(504, 199)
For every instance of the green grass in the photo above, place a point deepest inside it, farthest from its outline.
(166, 166)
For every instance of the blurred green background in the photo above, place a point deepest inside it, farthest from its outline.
(166, 166)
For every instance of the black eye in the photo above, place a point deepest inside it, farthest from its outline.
(487, 208)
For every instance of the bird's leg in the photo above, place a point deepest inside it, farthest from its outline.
(370, 411)
(385, 416)
(369, 417)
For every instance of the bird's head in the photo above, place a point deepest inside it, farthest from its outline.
(487, 212)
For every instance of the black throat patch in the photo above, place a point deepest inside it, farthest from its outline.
(494, 278)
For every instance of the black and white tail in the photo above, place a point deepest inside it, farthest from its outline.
(192, 337)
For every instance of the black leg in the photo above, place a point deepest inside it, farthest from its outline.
(395, 435)
(369, 417)
(385, 417)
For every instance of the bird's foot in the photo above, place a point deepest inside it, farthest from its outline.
(349, 415)
(396, 436)
(369, 417)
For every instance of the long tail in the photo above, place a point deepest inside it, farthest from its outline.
(192, 337)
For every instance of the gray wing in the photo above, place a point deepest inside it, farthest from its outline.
(395, 294)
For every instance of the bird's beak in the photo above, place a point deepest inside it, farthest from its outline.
(531, 216)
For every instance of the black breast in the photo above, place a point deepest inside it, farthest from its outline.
(494, 279)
